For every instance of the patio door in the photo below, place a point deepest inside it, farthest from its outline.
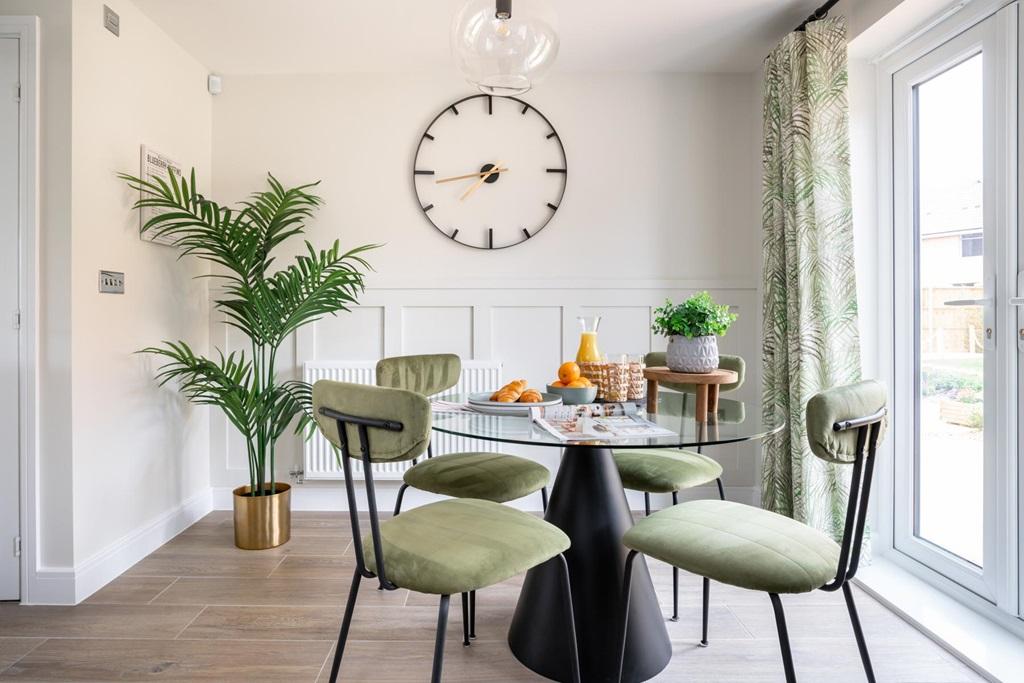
(955, 269)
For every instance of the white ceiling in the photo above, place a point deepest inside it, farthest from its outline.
(394, 36)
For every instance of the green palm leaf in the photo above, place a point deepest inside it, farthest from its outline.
(266, 306)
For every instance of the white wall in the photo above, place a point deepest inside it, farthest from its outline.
(658, 203)
(139, 451)
(122, 464)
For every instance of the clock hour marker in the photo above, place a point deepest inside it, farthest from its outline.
(526, 108)
(490, 105)
(419, 172)
(428, 207)
(552, 206)
(428, 136)
(455, 110)
(490, 238)
(454, 233)
(556, 170)
(527, 233)
(551, 135)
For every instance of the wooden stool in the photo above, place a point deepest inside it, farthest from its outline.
(707, 384)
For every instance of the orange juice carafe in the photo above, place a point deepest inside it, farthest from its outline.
(588, 351)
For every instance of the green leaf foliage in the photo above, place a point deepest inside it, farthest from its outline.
(265, 304)
(698, 316)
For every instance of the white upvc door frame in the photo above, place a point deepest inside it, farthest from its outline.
(26, 30)
(997, 594)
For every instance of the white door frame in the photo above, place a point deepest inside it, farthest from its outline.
(1007, 594)
(26, 30)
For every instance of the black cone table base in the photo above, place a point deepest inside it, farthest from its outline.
(588, 503)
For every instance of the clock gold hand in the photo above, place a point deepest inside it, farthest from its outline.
(470, 175)
(480, 182)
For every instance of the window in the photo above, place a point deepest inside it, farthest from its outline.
(971, 244)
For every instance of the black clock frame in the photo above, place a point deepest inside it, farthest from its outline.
(490, 231)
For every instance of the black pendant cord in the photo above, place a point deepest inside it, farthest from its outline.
(818, 14)
(503, 9)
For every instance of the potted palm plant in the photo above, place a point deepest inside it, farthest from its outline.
(693, 328)
(264, 304)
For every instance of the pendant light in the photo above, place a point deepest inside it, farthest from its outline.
(503, 47)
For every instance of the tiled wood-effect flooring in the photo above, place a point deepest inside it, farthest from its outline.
(200, 609)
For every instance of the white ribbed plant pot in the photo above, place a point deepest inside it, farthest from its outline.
(699, 354)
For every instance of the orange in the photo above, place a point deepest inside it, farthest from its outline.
(578, 384)
(569, 372)
(558, 383)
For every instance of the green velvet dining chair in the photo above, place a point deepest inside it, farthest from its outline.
(760, 550)
(447, 547)
(659, 470)
(497, 477)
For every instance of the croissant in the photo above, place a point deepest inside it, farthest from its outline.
(531, 396)
(511, 392)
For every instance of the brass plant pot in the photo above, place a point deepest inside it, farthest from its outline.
(263, 522)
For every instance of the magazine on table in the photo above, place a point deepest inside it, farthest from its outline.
(597, 421)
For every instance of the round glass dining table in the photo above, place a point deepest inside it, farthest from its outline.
(589, 504)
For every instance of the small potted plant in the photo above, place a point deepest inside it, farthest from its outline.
(693, 328)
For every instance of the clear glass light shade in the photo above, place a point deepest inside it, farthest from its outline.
(504, 56)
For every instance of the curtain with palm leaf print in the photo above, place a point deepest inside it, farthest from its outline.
(811, 341)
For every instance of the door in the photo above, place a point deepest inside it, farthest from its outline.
(9, 335)
(955, 360)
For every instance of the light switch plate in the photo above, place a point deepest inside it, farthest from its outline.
(111, 21)
(111, 282)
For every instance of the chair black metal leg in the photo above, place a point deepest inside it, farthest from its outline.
(544, 498)
(721, 489)
(780, 624)
(647, 504)
(346, 622)
(627, 584)
(704, 617)
(675, 575)
(401, 495)
(465, 619)
(472, 615)
(442, 626)
(865, 658)
(574, 655)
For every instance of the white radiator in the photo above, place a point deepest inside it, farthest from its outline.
(318, 456)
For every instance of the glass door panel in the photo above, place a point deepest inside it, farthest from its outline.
(950, 310)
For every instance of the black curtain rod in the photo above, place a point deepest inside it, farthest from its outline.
(818, 14)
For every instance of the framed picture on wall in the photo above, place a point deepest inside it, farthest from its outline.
(155, 165)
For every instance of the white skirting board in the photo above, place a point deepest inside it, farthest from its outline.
(69, 586)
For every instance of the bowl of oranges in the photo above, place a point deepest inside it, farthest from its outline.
(572, 386)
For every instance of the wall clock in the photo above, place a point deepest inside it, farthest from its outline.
(489, 172)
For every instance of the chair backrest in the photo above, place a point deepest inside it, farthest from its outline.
(427, 374)
(838, 406)
(725, 362)
(385, 425)
(408, 408)
(845, 425)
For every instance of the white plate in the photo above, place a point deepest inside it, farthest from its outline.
(484, 404)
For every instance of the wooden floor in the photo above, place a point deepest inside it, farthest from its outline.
(199, 609)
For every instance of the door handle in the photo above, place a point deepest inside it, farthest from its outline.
(1017, 300)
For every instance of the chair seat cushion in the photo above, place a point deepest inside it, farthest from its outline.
(459, 545)
(659, 470)
(737, 544)
(489, 476)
